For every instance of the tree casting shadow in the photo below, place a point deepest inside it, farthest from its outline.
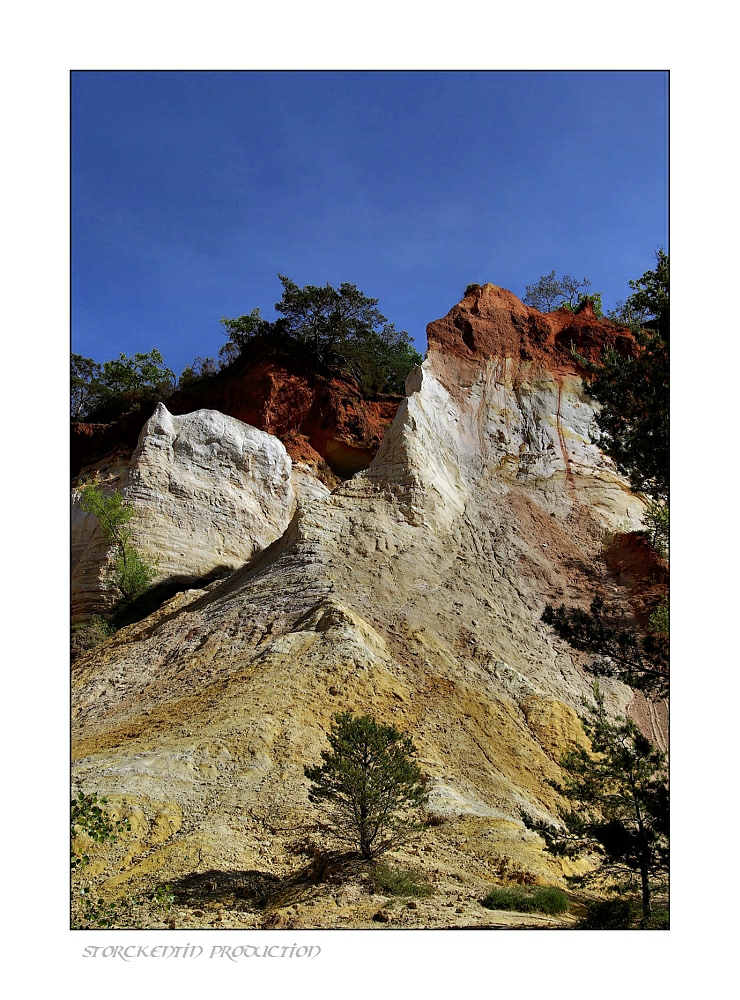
(255, 890)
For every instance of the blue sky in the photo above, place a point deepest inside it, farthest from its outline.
(192, 190)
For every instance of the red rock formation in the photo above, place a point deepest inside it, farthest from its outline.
(492, 322)
(321, 418)
(641, 570)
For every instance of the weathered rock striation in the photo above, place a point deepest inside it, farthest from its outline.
(209, 492)
(413, 592)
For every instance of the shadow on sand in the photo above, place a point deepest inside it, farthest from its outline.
(261, 891)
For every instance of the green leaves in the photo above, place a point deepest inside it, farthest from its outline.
(129, 911)
(88, 816)
(633, 391)
(640, 660)
(138, 372)
(111, 510)
(657, 524)
(338, 328)
(106, 392)
(617, 797)
(634, 414)
(133, 574)
(242, 329)
(371, 783)
(651, 294)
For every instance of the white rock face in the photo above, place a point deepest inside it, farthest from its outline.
(209, 492)
(464, 431)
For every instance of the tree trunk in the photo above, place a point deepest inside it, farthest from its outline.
(647, 907)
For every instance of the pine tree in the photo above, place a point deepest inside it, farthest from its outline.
(618, 804)
(370, 783)
(640, 659)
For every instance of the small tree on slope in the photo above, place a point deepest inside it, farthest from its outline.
(133, 574)
(619, 803)
(370, 783)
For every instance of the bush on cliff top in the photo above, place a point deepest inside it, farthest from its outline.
(335, 327)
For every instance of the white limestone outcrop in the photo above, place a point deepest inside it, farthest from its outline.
(209, 492)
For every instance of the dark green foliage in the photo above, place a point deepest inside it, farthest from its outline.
(611, 914)
(370, 784)
(93, 912)
(380, 361)
(617, 808)
(547, 900)
(633, 420)
(84, 378)
(649, 304)
(87, 635)
(133, 574)
(337, 328)
(660, 619)
(657, 526)
(638, 659)
(104, 393)
(397, 882)
(201, 370)
(228, 354)
(633, 423)
(88, 816)
(142, 371)
(472, 287)
(325, 317)
(633, 391)
(622, 913)
(569, 293)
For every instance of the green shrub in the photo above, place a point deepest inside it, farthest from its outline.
(87, 635)
(89, 815)
(133, 574)
(399, 882)
(659, 620)
(546, 900)
(472, 287)
(90, 912)
(550, 900)
(610, 914)
(657, 526)
(660, 921)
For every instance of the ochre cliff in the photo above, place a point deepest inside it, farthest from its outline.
(413, 592)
